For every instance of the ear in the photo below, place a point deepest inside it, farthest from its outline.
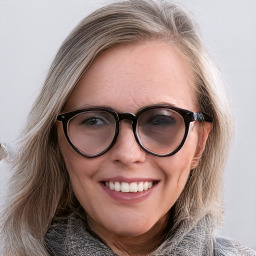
(204, 130)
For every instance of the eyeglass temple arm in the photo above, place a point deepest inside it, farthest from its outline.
(202, 117)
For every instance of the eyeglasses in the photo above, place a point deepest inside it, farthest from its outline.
(160, 130)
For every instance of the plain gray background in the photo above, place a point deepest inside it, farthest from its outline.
(31, 32)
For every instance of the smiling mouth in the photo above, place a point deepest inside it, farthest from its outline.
(132, 187)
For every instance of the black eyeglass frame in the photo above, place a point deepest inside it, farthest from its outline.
(187, 115)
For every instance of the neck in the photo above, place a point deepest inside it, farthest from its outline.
(134, 245)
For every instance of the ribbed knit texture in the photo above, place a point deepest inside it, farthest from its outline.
(72, 237)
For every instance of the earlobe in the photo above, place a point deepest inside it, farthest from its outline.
(204, 131)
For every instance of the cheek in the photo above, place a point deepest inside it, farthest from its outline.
(82, 173)
(78, 167)
(177, 168)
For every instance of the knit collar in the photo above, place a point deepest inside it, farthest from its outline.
(72, 237)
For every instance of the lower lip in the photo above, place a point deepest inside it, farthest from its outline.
(129, 197)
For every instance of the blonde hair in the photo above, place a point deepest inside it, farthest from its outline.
(40, 186)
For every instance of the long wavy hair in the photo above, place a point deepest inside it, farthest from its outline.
(40, 188)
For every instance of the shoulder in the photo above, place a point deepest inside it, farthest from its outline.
(227, 247)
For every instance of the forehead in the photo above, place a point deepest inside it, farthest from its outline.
(129, 77)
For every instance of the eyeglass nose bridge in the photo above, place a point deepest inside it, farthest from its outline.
(131, 117)
(127, 116)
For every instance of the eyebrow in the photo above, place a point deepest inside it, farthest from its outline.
(87, 105)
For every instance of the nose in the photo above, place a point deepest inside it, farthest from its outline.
(126, 149)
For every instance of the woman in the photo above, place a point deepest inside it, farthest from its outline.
(124, 148)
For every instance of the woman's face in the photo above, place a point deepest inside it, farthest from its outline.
(126, 79)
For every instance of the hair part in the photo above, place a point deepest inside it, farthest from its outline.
(40, 188)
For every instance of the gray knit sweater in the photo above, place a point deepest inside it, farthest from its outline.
(72, 237)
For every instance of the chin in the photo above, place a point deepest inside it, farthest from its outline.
(130, 228)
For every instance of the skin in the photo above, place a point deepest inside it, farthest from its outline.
(127, 78)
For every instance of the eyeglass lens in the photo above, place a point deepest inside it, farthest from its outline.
(92, 132)
(159, 130)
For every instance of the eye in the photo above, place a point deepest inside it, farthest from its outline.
(93, 121)
(161, 120)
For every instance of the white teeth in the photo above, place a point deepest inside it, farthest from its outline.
(126, 187)
(117, 186)
(145, 186)
(133, 187)
(140, 187)
(111, 185)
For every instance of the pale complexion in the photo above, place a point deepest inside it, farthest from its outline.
(127, 78)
